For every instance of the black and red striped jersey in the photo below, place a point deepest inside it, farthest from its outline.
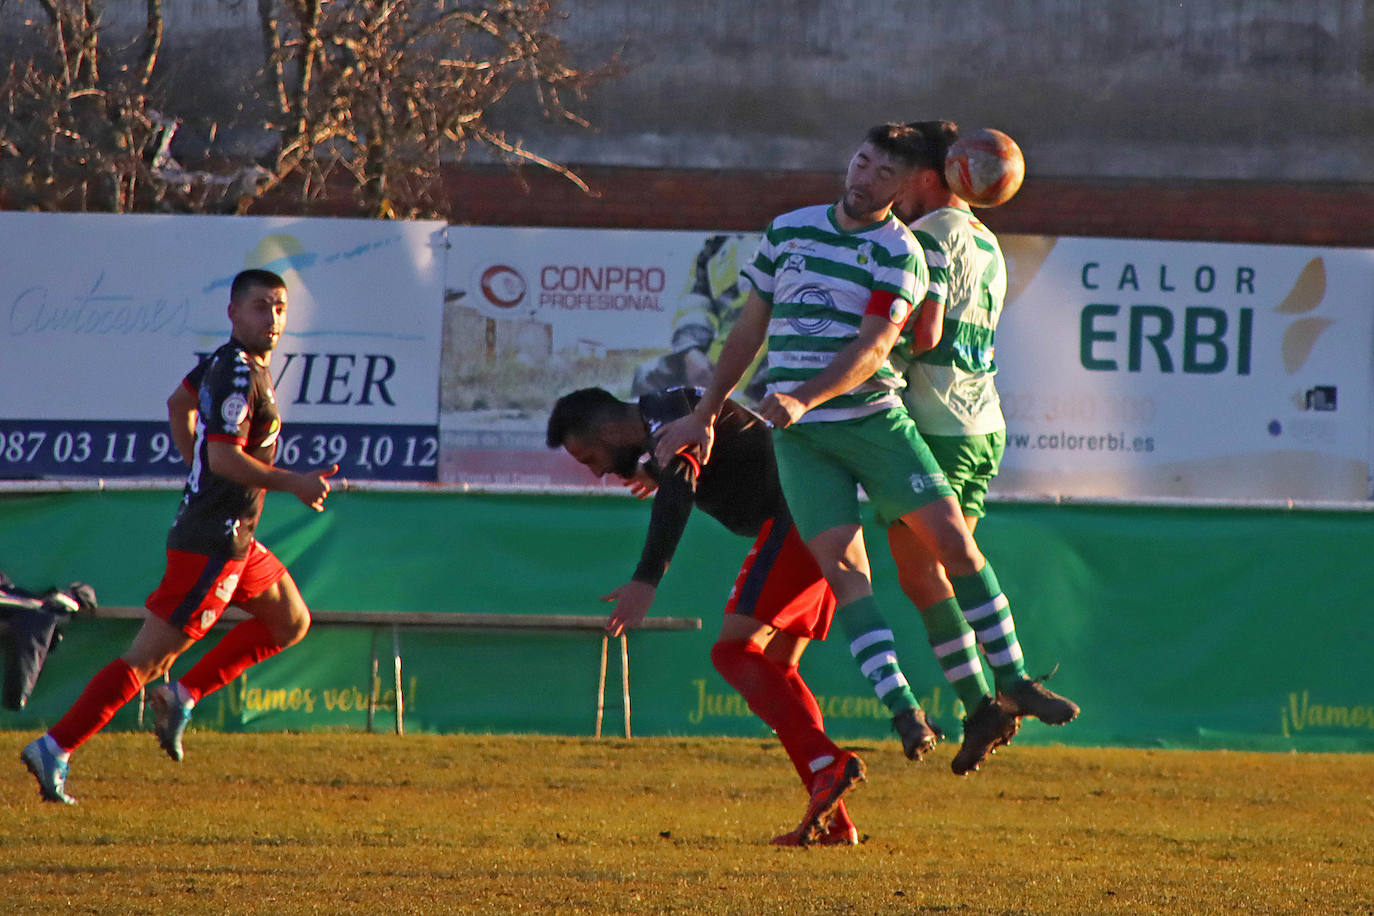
(738, 487)
(235, 403)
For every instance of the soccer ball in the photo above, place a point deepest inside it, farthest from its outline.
(985, 167)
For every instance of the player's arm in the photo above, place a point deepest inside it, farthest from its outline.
(927, 325)
(741, 347)
(667, 521)
(228, 459)
(854, 364)
(181, 417)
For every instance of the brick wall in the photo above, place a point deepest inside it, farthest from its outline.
(1256, 212)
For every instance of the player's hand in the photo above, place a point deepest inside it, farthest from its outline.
(685, 434)
(642, 485)
(313, 486)
(781, 410)
(632, 602)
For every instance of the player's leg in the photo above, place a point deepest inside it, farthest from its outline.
(154, 648)
(823, 498)
(907, 486)
(923, 581)
(786, 591)
(278, 618)
(987, 726)
(842, 831)
(778, 603)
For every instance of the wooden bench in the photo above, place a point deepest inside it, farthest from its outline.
(397, 620)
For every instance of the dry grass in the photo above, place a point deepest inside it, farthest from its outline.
(287, 824)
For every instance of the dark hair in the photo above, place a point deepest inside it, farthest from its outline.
(581, 413)
(931, 141)
(245, 279)
(896, 140)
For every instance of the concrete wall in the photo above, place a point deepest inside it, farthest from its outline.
(1268, 90)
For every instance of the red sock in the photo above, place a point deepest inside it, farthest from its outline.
(804, 694)
(112, 687)
(242, 647)
(764, 686)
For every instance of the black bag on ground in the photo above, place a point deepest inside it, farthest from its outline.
(30, 627)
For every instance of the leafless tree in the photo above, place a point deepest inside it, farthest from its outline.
(75, 133)
(363, 100)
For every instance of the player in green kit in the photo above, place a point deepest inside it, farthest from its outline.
(832, 287)
(946, 356)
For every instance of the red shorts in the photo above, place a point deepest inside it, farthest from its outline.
(196, 589)
(781, 585)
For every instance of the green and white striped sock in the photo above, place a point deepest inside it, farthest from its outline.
(874, 649)
(957, 651)
(989, 613)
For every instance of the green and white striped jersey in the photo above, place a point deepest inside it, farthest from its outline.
(819, 279)
(950, 390)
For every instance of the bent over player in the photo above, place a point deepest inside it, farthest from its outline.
(213, 558)
(780, 601)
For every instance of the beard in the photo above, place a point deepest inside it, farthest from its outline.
(625, 461)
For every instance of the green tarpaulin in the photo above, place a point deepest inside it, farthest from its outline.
(1179, 627)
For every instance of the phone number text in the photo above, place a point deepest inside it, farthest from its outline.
(114, 448)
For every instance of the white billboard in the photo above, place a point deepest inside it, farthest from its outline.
(1144, 369)
(102, 315)
(1129, 369)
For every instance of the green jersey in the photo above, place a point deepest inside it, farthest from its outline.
(819, 280)
(950, 390)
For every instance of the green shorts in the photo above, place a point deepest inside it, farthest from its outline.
(821, 465)
(969, 463)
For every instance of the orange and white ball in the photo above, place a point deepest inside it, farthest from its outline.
(985, 167)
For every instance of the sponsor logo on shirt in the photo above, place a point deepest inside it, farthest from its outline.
(922, 482)
(234, 410)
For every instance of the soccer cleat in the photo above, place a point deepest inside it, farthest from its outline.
(828, 787)
(840, 833)
(918, 734)
(50, 771)
(988, 728)
(170, 717)
(1032, 698)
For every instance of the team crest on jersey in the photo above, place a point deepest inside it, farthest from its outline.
(234, 410)
(865, 252)
(794, 262)
(818, 298)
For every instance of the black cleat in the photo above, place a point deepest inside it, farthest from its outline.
(988, 728)
(1032, 698)
(917, 733)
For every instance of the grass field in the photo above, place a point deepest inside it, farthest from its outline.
(371, 824)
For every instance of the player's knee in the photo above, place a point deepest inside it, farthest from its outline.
(725, 655)
(959, 553)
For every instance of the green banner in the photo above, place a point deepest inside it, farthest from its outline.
(1199, 627)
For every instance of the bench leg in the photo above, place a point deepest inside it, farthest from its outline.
(601, 687)
(396, 655)
(625, 678)
(373, 685)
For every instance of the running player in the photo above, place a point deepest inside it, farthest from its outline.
(213, 558)
(833, 287)
(951, 396)
(780, 601)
